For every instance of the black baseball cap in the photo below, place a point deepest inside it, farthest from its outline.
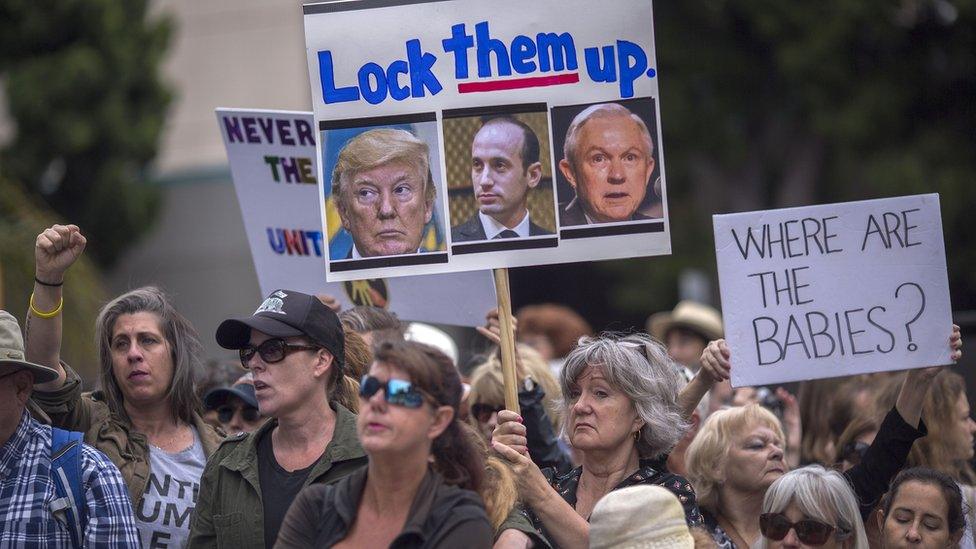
(287, 313)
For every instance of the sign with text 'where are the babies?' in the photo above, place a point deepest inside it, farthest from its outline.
(834, 290)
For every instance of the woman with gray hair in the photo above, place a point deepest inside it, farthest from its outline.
(621, 415)
(813, 507)
(145, 416)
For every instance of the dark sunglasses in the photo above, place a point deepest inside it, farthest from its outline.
(249, 414)
(853, 452)
(271, 351)
(775, 526)
(395, 391)
(482, 412)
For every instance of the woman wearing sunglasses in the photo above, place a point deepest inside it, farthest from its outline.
(811, 507)
(621, 416)
(420, 487)
(145, 416)
(922, 509)
(731, 516)
(294, 347)
(539, 397)
(236, 406)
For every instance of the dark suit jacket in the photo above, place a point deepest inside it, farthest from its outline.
(572, 214)
(471, 230)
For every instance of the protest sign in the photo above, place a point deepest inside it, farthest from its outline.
(834, 290)
(486, 134)
(272, 161)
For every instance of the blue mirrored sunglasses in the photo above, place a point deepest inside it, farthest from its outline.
(395, 391)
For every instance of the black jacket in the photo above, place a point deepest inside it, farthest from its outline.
(869, 479)
(541, 439)
(441, 516)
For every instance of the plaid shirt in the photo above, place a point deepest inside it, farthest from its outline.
(26, 491)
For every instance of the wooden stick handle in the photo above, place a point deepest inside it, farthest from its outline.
(508, 340)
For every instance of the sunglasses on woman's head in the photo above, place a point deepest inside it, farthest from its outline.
(775, 526)
(395, 391)
(271, 351)
(249, 414)
(483, 412)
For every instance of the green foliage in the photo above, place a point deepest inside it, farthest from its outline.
(82, 81)
(21, 219)
(771, 104)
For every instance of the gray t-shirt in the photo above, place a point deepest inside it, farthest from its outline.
(163, 519)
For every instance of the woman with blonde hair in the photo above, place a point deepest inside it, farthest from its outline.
(814, 507)
(540, 398)
(737, 454)
(735, 526)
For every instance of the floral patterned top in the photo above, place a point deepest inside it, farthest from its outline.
(650, 471)
(722, 540)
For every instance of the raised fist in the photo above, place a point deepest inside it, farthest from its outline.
(56, 249)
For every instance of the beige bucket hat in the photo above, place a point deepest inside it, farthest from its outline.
(692, 315)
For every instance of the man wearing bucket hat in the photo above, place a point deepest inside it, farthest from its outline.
(32, 511)
(293, 345)
(686, 330)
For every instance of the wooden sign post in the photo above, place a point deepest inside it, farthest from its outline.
(507, 339)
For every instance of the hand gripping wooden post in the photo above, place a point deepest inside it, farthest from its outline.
(508, 340)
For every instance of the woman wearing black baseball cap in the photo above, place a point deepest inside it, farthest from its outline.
(294, 348)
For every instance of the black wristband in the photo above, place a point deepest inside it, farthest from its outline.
(42, 283)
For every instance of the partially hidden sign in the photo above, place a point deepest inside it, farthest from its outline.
(834, 290)
(463, 134)
(273, 164)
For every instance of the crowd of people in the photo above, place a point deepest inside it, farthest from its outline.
(344, 428)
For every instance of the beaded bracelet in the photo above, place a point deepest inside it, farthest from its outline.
(41, 314)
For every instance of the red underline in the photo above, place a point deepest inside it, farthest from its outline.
(518, 83)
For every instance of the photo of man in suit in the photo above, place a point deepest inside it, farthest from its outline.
(505, 166)
(384, 192)
(608, 161)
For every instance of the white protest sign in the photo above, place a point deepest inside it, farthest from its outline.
(462, 134)
(834, 290)
(272, 161)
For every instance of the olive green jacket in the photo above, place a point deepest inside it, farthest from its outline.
(230, 512)
(69, 408)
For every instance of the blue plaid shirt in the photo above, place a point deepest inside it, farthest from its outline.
(26, 492)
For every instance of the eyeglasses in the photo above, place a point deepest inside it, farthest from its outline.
(483, 412)
(775, 526)
(249, 414)
(395, 391)
(271, 351)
